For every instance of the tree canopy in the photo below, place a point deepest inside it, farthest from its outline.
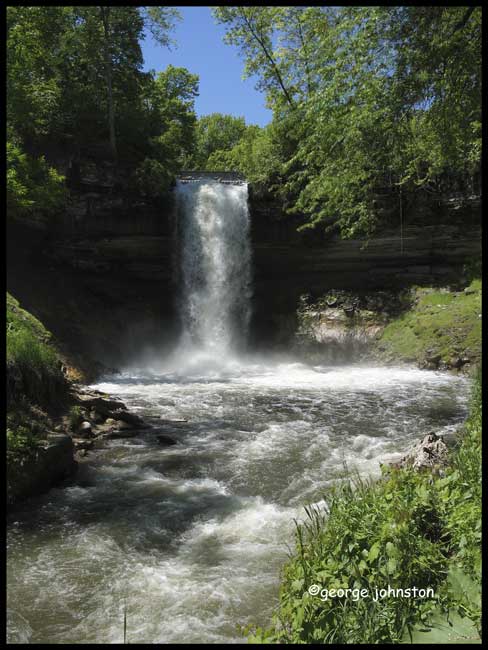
(362, 98)
(75, 83)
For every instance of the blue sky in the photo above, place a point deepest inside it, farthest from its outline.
(201, 49)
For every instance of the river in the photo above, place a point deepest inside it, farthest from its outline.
(189, 539)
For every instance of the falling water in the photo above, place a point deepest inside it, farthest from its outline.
(215, 266)
(187, 542)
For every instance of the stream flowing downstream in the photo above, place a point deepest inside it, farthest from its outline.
(190, 538)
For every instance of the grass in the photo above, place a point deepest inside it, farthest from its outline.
(446, 324)
(407, 529)
(35, 383)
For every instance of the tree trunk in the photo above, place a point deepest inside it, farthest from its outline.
(105, 12)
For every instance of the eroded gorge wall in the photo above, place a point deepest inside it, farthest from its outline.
(103, 278)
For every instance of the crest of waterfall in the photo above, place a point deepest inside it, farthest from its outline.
(215, 266)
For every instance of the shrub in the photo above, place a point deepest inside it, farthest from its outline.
(75, 417)
(407, 529)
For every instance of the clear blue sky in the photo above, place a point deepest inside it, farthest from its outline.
(201, 49)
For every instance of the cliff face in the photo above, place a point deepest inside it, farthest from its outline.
(103, 277)
(106, 299)
(430, 247)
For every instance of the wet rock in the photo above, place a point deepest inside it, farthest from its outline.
(96, 417)
(122, 430)
(83, 444)
(130, 418)
(85, 430)
(166, 440)
(430, 365)
(432, 357)
(121, 425)
(458, 362)
(47, 466)
(102, 405)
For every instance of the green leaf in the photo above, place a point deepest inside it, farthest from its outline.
(391, 550)
(464, 587)
(443, 628)
(374, 551)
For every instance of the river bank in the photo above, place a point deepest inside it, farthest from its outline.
(411, 529)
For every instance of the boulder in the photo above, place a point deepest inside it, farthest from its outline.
(431, 452)
(96, 417)
(130, 418)
(102, 405)
(85, 430)
(432, 357)
(41, 470)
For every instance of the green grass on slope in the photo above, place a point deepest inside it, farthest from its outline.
(447, 324)
(35, 382)
(409, 529)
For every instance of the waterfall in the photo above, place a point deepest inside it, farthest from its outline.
(214, 266)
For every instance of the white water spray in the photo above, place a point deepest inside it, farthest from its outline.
(215, 267)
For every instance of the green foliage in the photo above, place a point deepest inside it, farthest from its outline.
(34, 49)
(75, 84)
(363, 98)
(75, 417)
(26, 427)
(447, 324)
(152, 179)
(407, 529)
(33, 187)
(216, 135)
(33, 367)
(172, 119)
(160, 21)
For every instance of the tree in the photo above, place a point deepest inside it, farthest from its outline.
(33, 188)
(75, 82)
(122, 28)
(362, 98)
(34, 49)
(170, 123)
(215, 133)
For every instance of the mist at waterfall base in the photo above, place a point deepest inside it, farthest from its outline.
(190, 538)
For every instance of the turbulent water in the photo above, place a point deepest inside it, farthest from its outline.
(189, 539)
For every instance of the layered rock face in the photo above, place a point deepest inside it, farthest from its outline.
(429, 248)
(108, 299)
(343, 325)
(103, 278)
